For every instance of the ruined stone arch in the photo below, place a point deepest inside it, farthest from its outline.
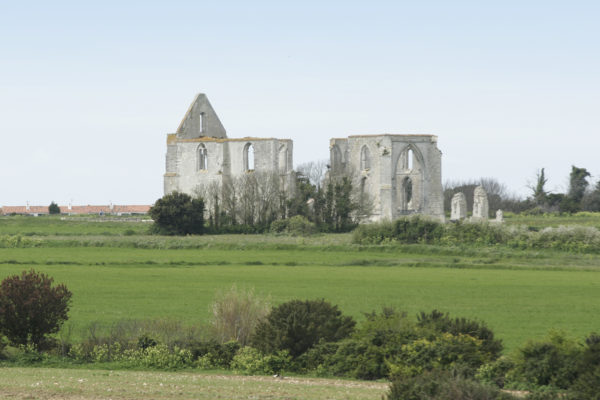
(365, 158)
(409, 180)
(201, 158)
(248, 157)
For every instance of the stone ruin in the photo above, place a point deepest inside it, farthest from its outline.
(481, 208)
(200, 153)
(458, 207)
(402, 174)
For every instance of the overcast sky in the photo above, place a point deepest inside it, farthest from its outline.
(89, 91)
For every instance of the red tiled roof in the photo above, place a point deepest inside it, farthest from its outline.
(89, 209)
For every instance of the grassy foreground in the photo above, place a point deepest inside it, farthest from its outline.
(44, 383)
(124, 274)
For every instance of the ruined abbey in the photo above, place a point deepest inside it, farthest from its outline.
(402, 174)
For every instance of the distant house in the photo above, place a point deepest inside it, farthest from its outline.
(111, 209)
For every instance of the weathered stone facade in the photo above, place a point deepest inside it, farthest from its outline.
(401, 173)
(200, 153)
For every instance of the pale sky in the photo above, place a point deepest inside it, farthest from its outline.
(89, 90)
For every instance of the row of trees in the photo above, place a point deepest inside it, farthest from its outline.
(252, 202)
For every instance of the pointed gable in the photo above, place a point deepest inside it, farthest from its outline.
(201, 121)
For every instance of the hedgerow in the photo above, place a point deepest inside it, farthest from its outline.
(578, 239)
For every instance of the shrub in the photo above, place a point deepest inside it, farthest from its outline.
(587, 386)
(374, 233)
(178, 214)
(495, 371)
(298, 325)
(550, 362)
(440, 385)
(441, 322)
(417, 229)
(236, 313)
(367, 353)
(446, 351)
(53, 208)
(296, 225)
(251, 361)
(212, 354)
(30, 308)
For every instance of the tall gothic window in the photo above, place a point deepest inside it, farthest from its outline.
(201, 158)
(365, 158)
(249, 157)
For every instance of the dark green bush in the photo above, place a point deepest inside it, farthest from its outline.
(375, 233)
(53, 208)
(587, 386)
(178, 214)
(377, 340)
(215, 354)
(442, 385)
(441, 322)
(296, 225)
(417, 229)
(297, 325)
(495, 371)
(553, 361)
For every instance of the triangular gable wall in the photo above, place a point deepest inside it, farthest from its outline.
(201, 121)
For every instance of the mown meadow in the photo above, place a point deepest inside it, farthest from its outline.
(117, 272)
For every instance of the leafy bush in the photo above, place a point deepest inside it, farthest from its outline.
(417, 229)
(374, 233)
(366, 354)
(249, 360)
(178, 214)
(441, 385)
(414, 229)
(212, 354)
(236, 313)
(296, 225)
(30, 308)
(445, 351)
(587, 386)
(553, 361)
(441, 322)
(297, 325)
(495, 371)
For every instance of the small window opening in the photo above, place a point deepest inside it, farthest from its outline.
(408, 193)
(249, 157)
(201, 122)
(202, 158)
(365, 159)
(410, 160)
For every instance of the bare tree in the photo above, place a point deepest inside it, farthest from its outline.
(314, 170)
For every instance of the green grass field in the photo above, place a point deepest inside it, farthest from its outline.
(44, 383)
(520, 294)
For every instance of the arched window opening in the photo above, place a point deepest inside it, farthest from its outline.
(408, 188)
(201, 122)
(410, 159)
(365, 158)
(201, 158)
(283, 158)
(249, 157)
